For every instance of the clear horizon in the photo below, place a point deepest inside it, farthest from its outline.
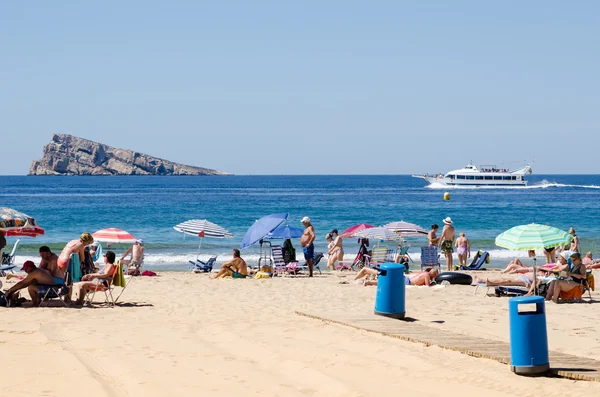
(311, 88)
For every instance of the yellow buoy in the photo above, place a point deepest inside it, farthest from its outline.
(446, 196)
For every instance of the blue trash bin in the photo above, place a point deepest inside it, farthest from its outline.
(528, 336)
(389, 301)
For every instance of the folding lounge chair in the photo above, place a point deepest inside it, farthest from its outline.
(58, 291)
(429, 257)
(279, 265)
(316, 259)
(576, 294)
(378, 256)
(103, 286)
(8, 260)
(203, 267)
(481, 257)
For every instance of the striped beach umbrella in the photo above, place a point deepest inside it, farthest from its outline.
(533, 236)
(379, 233)
(11, 219)
(202, 228)
(113, 235)
(406, 229)
(352, 230)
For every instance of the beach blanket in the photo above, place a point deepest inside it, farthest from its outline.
(119, 277)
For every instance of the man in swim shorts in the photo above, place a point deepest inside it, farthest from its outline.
(446, 243)
(137, 257)
(34, 277)
(49, 262)
(306, 240)
(237, 268)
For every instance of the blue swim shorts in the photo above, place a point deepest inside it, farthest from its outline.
(309, 252)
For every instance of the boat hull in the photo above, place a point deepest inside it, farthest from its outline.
(473, 182)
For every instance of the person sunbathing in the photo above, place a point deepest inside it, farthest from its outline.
(236, 268)
(572, 276)
(136, 251)
(515, 266)
(93, 279)
(416, 278)
(522, 280)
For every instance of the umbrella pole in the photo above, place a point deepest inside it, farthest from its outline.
(534, 276)
(199, 246)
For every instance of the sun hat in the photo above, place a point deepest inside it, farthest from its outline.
(448, 220)
(139, 240)
(306, 219)
(27, 265)
(564, 255)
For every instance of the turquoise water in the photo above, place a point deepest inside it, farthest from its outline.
(149, 207)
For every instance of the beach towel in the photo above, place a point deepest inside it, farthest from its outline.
(119, 277)
(148, 273)
(74, 268)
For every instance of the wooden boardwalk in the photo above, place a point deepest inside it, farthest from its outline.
(562, 365)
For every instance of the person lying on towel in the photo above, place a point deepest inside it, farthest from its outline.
(237, 268)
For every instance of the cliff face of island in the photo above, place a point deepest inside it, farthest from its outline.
(69, 155)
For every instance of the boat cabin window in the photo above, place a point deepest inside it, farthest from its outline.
(514, 178)
(478, 177)
(451, 176)
(460, 177)
(497, 178)
(507, 178)
(470, 177)
(488, 177)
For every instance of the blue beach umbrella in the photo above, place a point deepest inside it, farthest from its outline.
(261, 228)
(285, 232)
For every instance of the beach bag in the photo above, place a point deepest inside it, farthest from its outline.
(3, 301)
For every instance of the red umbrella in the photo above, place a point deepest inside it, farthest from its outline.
(28, 232)
(354, 229)
(113, 235)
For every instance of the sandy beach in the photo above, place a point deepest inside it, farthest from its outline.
(182, 334)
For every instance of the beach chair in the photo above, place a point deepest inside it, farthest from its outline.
(279, 265)
(58, 291)
(298, 268)
(203, 267)
(430, 257)
(481, 258)
(378, 255)
(8, 260)
(576, 294)
(103, 286)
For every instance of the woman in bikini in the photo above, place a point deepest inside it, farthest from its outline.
(331, 257)
(338, 248)
(73, 247)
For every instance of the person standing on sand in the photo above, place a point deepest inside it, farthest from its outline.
(307, 239)
(433, 239)
(463, 249)
(446, 243)
(575, 242)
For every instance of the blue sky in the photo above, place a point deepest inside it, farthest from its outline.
(306, 87)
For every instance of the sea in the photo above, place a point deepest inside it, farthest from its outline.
(149, 206)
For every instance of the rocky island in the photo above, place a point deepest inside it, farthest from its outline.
(69, 155)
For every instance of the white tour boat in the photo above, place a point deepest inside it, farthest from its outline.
(485, 175)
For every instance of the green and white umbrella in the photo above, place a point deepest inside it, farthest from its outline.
(533, 236)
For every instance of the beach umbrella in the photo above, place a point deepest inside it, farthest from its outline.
(285, 232)
(352, 230)
(11, 219)
(406, 229)
(202, 228)
(533, 236)
(113, 235)
(379, 233)
(27, 232)
(261, 228)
